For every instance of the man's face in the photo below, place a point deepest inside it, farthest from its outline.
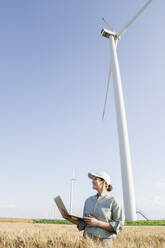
(97, 183)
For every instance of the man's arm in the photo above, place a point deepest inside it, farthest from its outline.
(91, 221)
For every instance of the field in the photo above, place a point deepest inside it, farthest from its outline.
(15, 220)
(127, 223)
(30, 235)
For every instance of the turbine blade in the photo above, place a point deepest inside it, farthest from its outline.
(107, 24)
(133, 19)
(108, 84)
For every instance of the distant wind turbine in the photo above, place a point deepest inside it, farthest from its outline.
(125, 158)
(73, 179)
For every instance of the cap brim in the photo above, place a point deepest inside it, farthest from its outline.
(91, 175)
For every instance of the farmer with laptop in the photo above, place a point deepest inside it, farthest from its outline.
(103, 215)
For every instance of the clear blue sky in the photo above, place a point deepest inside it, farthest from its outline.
(53, 72)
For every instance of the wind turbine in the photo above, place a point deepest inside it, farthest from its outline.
(125, 158)
(73, 179)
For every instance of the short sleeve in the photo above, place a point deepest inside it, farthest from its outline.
(117, 221)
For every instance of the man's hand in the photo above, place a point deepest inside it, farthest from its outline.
(91, 221)
(67, 217)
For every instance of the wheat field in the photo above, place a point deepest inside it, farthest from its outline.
(21, 235)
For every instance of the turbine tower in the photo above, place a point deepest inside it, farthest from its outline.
(125, 158)
(73, 179)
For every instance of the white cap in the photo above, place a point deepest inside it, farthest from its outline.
(102, 175)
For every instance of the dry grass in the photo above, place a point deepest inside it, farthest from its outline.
(21, 235)
(16, 220)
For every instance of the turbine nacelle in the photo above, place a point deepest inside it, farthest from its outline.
(107, 33)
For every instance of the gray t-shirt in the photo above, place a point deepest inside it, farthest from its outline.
(105, 208)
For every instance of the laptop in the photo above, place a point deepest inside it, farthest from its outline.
(61, 207)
